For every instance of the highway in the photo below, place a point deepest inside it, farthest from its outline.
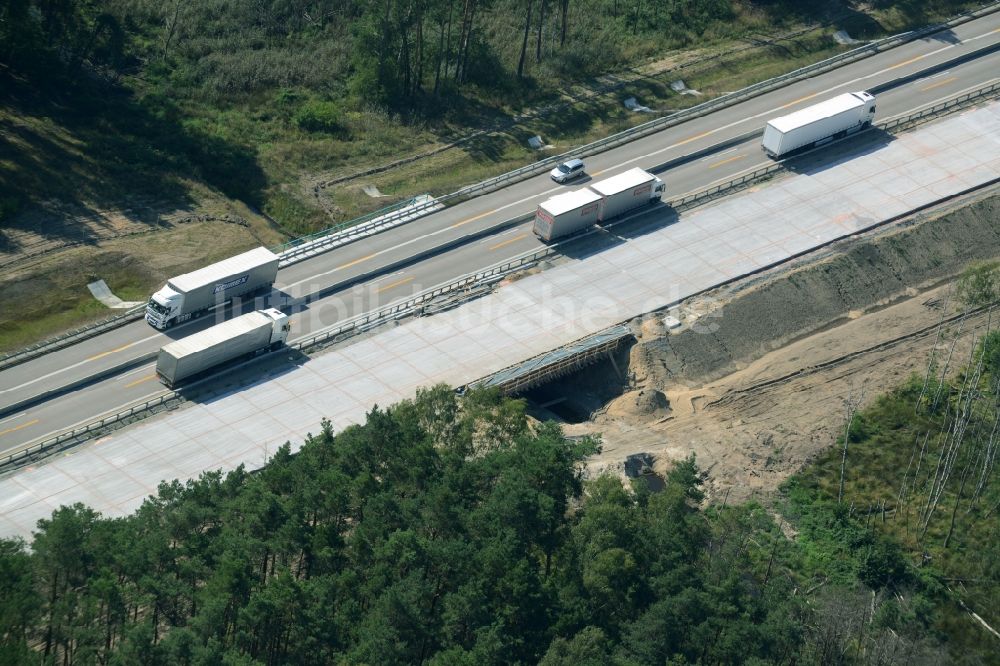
(354, 278)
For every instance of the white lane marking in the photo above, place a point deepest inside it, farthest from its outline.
(716, 155)
(931, 77)
(942, 99)
(75, 365)
(494, 237)
(11, 418)
(90, 419)
(663, 150)
(822, 92)
(133, 372)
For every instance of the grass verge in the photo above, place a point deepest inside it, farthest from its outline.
(51, 296)
(256, 147)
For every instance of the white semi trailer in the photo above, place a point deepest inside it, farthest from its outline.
(601, 201)
(566, 213)
(191, 294)
(831, 119)
(241, 336)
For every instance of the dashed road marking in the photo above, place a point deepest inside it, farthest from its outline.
(395, 284)
(508, 242)
(726, 161)
(140, 381)
(16, 428)
(938, 84)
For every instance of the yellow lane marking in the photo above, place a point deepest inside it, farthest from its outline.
(508, 242)
(103, 354)
(693, 138)
(597, 173)
(472, 219)
(394, 284)
(140, 381)
(726, 161)
(798, 101)
(15, 428)
(356, 262)
(904, 63)
(939, 83)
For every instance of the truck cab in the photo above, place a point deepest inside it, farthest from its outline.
(162, 309)
(868, 99)
(279, 332)
(658, 188)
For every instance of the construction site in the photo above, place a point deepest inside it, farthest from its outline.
(757, 377)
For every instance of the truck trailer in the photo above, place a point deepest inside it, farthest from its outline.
(191, 294)
(566, 213)
(599, 202)
(241, 336)
(833, 118)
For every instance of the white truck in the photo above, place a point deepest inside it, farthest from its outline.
(241, 336)
(567, 213)
(191, 294)
(831, 119)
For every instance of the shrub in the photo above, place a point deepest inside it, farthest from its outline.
(978, 284)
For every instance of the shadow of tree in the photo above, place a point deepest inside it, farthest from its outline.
(488, 147)
(93, 147)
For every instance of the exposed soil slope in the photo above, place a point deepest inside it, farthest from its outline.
(757, 380)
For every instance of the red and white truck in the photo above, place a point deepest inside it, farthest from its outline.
(568, 213)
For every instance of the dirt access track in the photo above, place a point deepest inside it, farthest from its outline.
(757, 379)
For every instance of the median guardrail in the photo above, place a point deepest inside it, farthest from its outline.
(474, 284)
(72, 438)
(72, 337)
(717, 103)
(950, 105)
(394, 215)
(333, 237)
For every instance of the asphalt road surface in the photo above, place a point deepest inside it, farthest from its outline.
(356, 278)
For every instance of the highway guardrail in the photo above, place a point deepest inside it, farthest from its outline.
(72, 337)
(71, 438)
(717, 103)
(394, 215)
(337, 228)
(305, 247)
(472, 284)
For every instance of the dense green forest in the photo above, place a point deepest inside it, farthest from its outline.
(451, 530)
(104, 101)
(387, 52)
